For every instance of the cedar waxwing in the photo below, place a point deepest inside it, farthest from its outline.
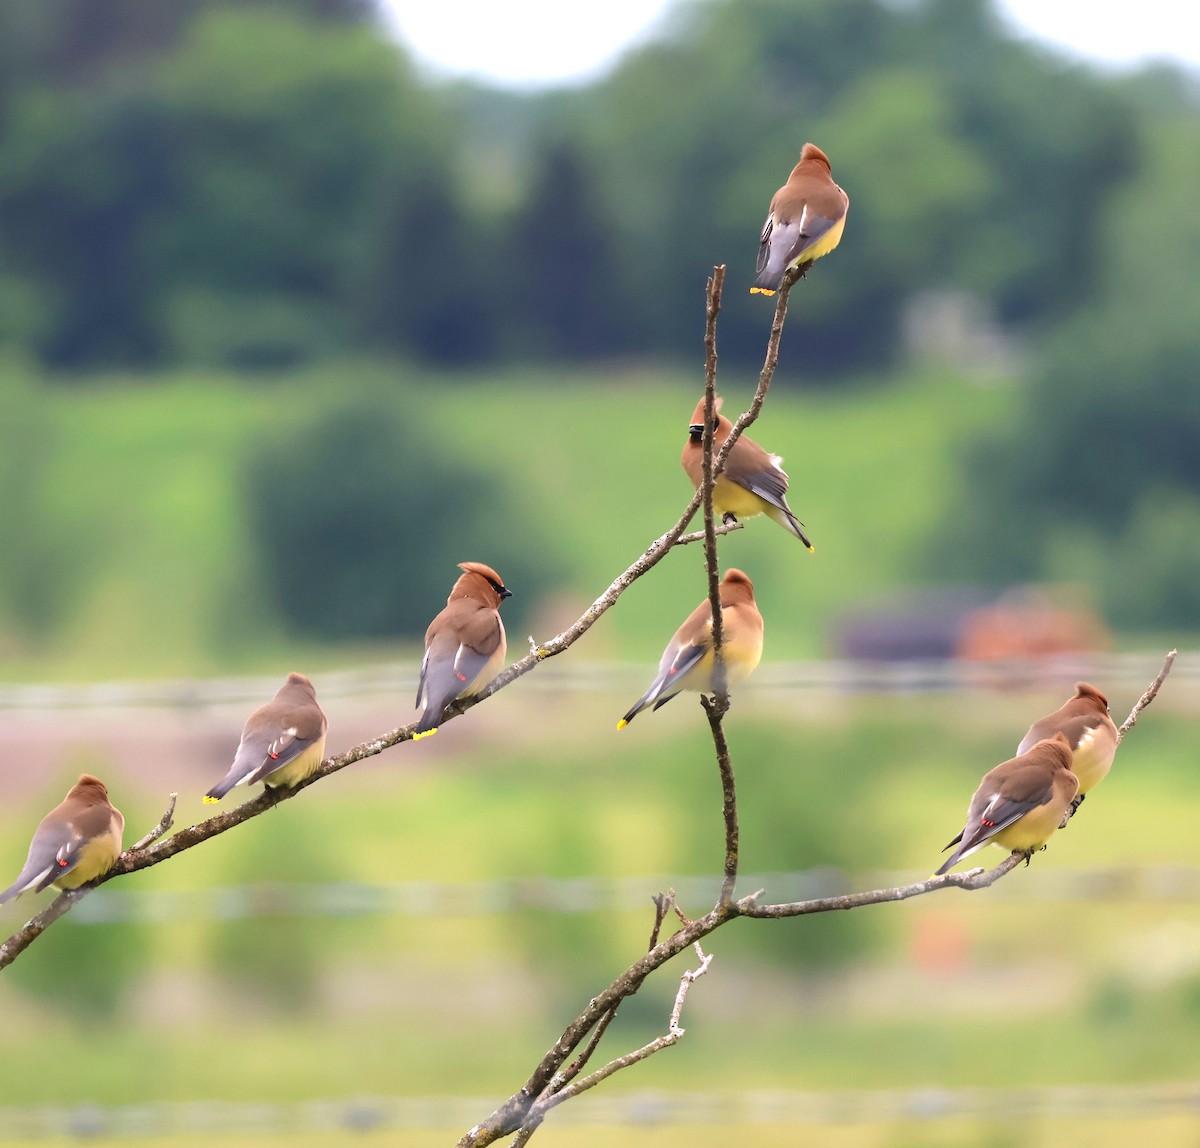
(282, 743)
(1020, 803)
(804, 222)
(753, 482)
(687, 662)
(76, 842)
(464, 645)
(1093, 736)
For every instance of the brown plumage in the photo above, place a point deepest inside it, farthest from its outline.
(804, 222)
(282, 742)
(1020, 803)
(464, 645)
(76, 842)
(753, 481)
(1092, 734)
(687, 662)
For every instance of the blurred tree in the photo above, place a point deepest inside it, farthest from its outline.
(428, 286)
(1103, 457)
(260, 183)
(969, 157)
(363, 538)
(32, 575)
(295, 142)
(218, 198)
(561, 269)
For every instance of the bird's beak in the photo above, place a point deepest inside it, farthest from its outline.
(505, 592)
(696, 430)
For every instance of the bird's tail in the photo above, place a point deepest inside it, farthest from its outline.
(221, 788)
(789, 521)
(965, 849)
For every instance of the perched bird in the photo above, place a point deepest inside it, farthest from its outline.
(1093, 736)
(1020, 803)
(804, 222)
(464, 645)
(282, 743)
(753, 482)
(76, 842)
(687, 662)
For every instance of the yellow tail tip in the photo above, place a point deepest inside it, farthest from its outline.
(761, 291)
(622, 724)
(812, 549)
(426, 733)
(210, 800)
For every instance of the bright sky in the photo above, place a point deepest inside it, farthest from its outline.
(530, 43)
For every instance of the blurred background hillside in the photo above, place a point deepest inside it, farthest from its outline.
(290, 325)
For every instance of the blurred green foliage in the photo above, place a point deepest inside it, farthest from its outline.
(258, 188)
(214, 520)
(259, 183)
(362, 517)
(282, 1007)
(1102, 457)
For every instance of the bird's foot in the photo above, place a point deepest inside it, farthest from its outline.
(1071, 811)
(728, 517)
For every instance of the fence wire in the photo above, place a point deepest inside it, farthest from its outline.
(570, 895)
(209, 1118)
(1123, 672)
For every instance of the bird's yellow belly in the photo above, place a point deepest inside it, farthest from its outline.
(491, 668)
(1034, 829)
(1092, 761)
(825, 244)
(296, 770)
(739, 658)
(729, 498)
(95, 858)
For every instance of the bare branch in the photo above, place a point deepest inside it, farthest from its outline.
(165, 823)
(715, 285)
(1146, 698)
(698, 535)
(511, 1115)
(663, 903)
(36, 926)
(714, 712)
(971, 879)
(672, 1036)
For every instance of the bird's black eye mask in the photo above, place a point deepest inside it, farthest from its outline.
(503, 591)
(696, 430)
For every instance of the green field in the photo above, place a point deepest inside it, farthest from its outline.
(1011, 988)
(1035, 990)
(139, 505)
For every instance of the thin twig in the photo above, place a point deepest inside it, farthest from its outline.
(720, 528)
(715, 284)
(663, 903)
(165, 823)
(1147, 697)
(511, 1115)
(971, 879)
(728, 798)
(719, 705)
(672, 1036)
